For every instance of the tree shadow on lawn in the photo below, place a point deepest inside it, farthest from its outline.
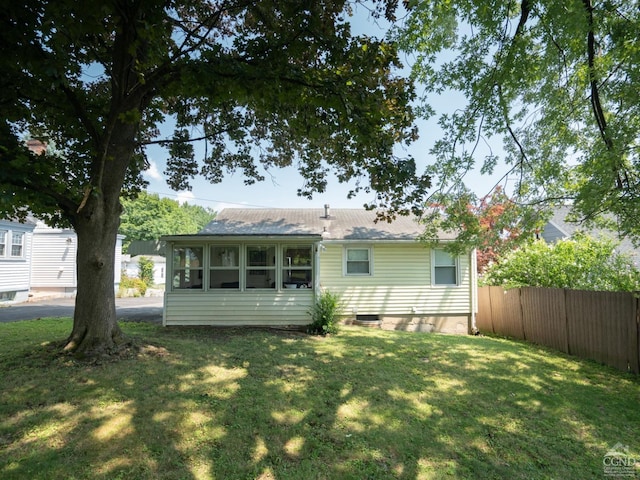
(268, 404)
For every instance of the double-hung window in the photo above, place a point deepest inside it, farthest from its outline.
(358, 261)
(261, 266)
(3, 243)
(445, 268)
(225, 267)
(17, 244)
(187, 267)
(296, 266)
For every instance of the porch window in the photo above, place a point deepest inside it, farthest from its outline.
(17, 240)
(225, 267)
(445, 268)
(358, 261)
(261, 266)
(297, 266)
(187, 267)
(3, 243)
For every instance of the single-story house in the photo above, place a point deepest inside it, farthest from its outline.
(266, 266)
(37, 261)
(15, 259)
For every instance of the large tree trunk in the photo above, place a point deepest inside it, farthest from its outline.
(95, 328)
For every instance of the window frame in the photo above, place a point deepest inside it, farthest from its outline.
(435, 266)
(4, 235)
(268, 270)
(288, 279)
(15, 244)
(189, 269)
(237, 250)
(346, 261)
(260, 266)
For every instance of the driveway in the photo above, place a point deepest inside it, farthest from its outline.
(141, 309)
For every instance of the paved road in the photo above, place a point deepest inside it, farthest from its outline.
(143, 309)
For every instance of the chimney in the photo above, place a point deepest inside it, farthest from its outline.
(36, 146)
(327, 210)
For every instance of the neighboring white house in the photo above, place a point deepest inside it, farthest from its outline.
(131, 267)
(53, 262)
(44, 264)
(15, 260)
(266, 266)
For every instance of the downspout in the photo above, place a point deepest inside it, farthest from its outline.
(474, 290)
(316, 270)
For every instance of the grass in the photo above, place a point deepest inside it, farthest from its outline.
(201, 403)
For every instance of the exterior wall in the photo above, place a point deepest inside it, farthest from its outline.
(399, 290)
(225, 308)
(53, 265)
(228, 307)
(552, 233)
(53, 269)
(15, 273)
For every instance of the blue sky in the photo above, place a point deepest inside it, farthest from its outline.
(280, 186)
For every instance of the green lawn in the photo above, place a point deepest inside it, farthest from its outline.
(202, 403)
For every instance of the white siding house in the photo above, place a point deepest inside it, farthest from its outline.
(53, 265)
(266, 266)
(15, 260)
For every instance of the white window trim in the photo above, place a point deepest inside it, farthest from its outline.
(433, 271)
(344, 260)
(12, 244)
(5, 242)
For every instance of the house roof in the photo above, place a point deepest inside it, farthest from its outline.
(558, 227)
(341, 224)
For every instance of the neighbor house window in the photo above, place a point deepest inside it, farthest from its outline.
(297, 266)
(17, 240)
(3, 243)
(225, 267)
(358, 261)
(187, 267)
(445, 268)
(261, 266)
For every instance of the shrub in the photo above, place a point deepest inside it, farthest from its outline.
(145, 266)
(324, 314)
(580, 263)
(134, 283)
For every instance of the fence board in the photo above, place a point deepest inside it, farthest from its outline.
(506, 312)
(544, 317)
(600, 324)
(483, 317)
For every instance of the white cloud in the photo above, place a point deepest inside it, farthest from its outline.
(185, 197)
(152, 171)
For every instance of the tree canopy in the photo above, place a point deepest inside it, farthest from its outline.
(265, 82)
(148, 217)
(557, 81)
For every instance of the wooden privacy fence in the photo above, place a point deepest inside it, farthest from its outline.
(601, 326)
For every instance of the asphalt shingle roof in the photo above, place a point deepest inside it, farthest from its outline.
(342, 224)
